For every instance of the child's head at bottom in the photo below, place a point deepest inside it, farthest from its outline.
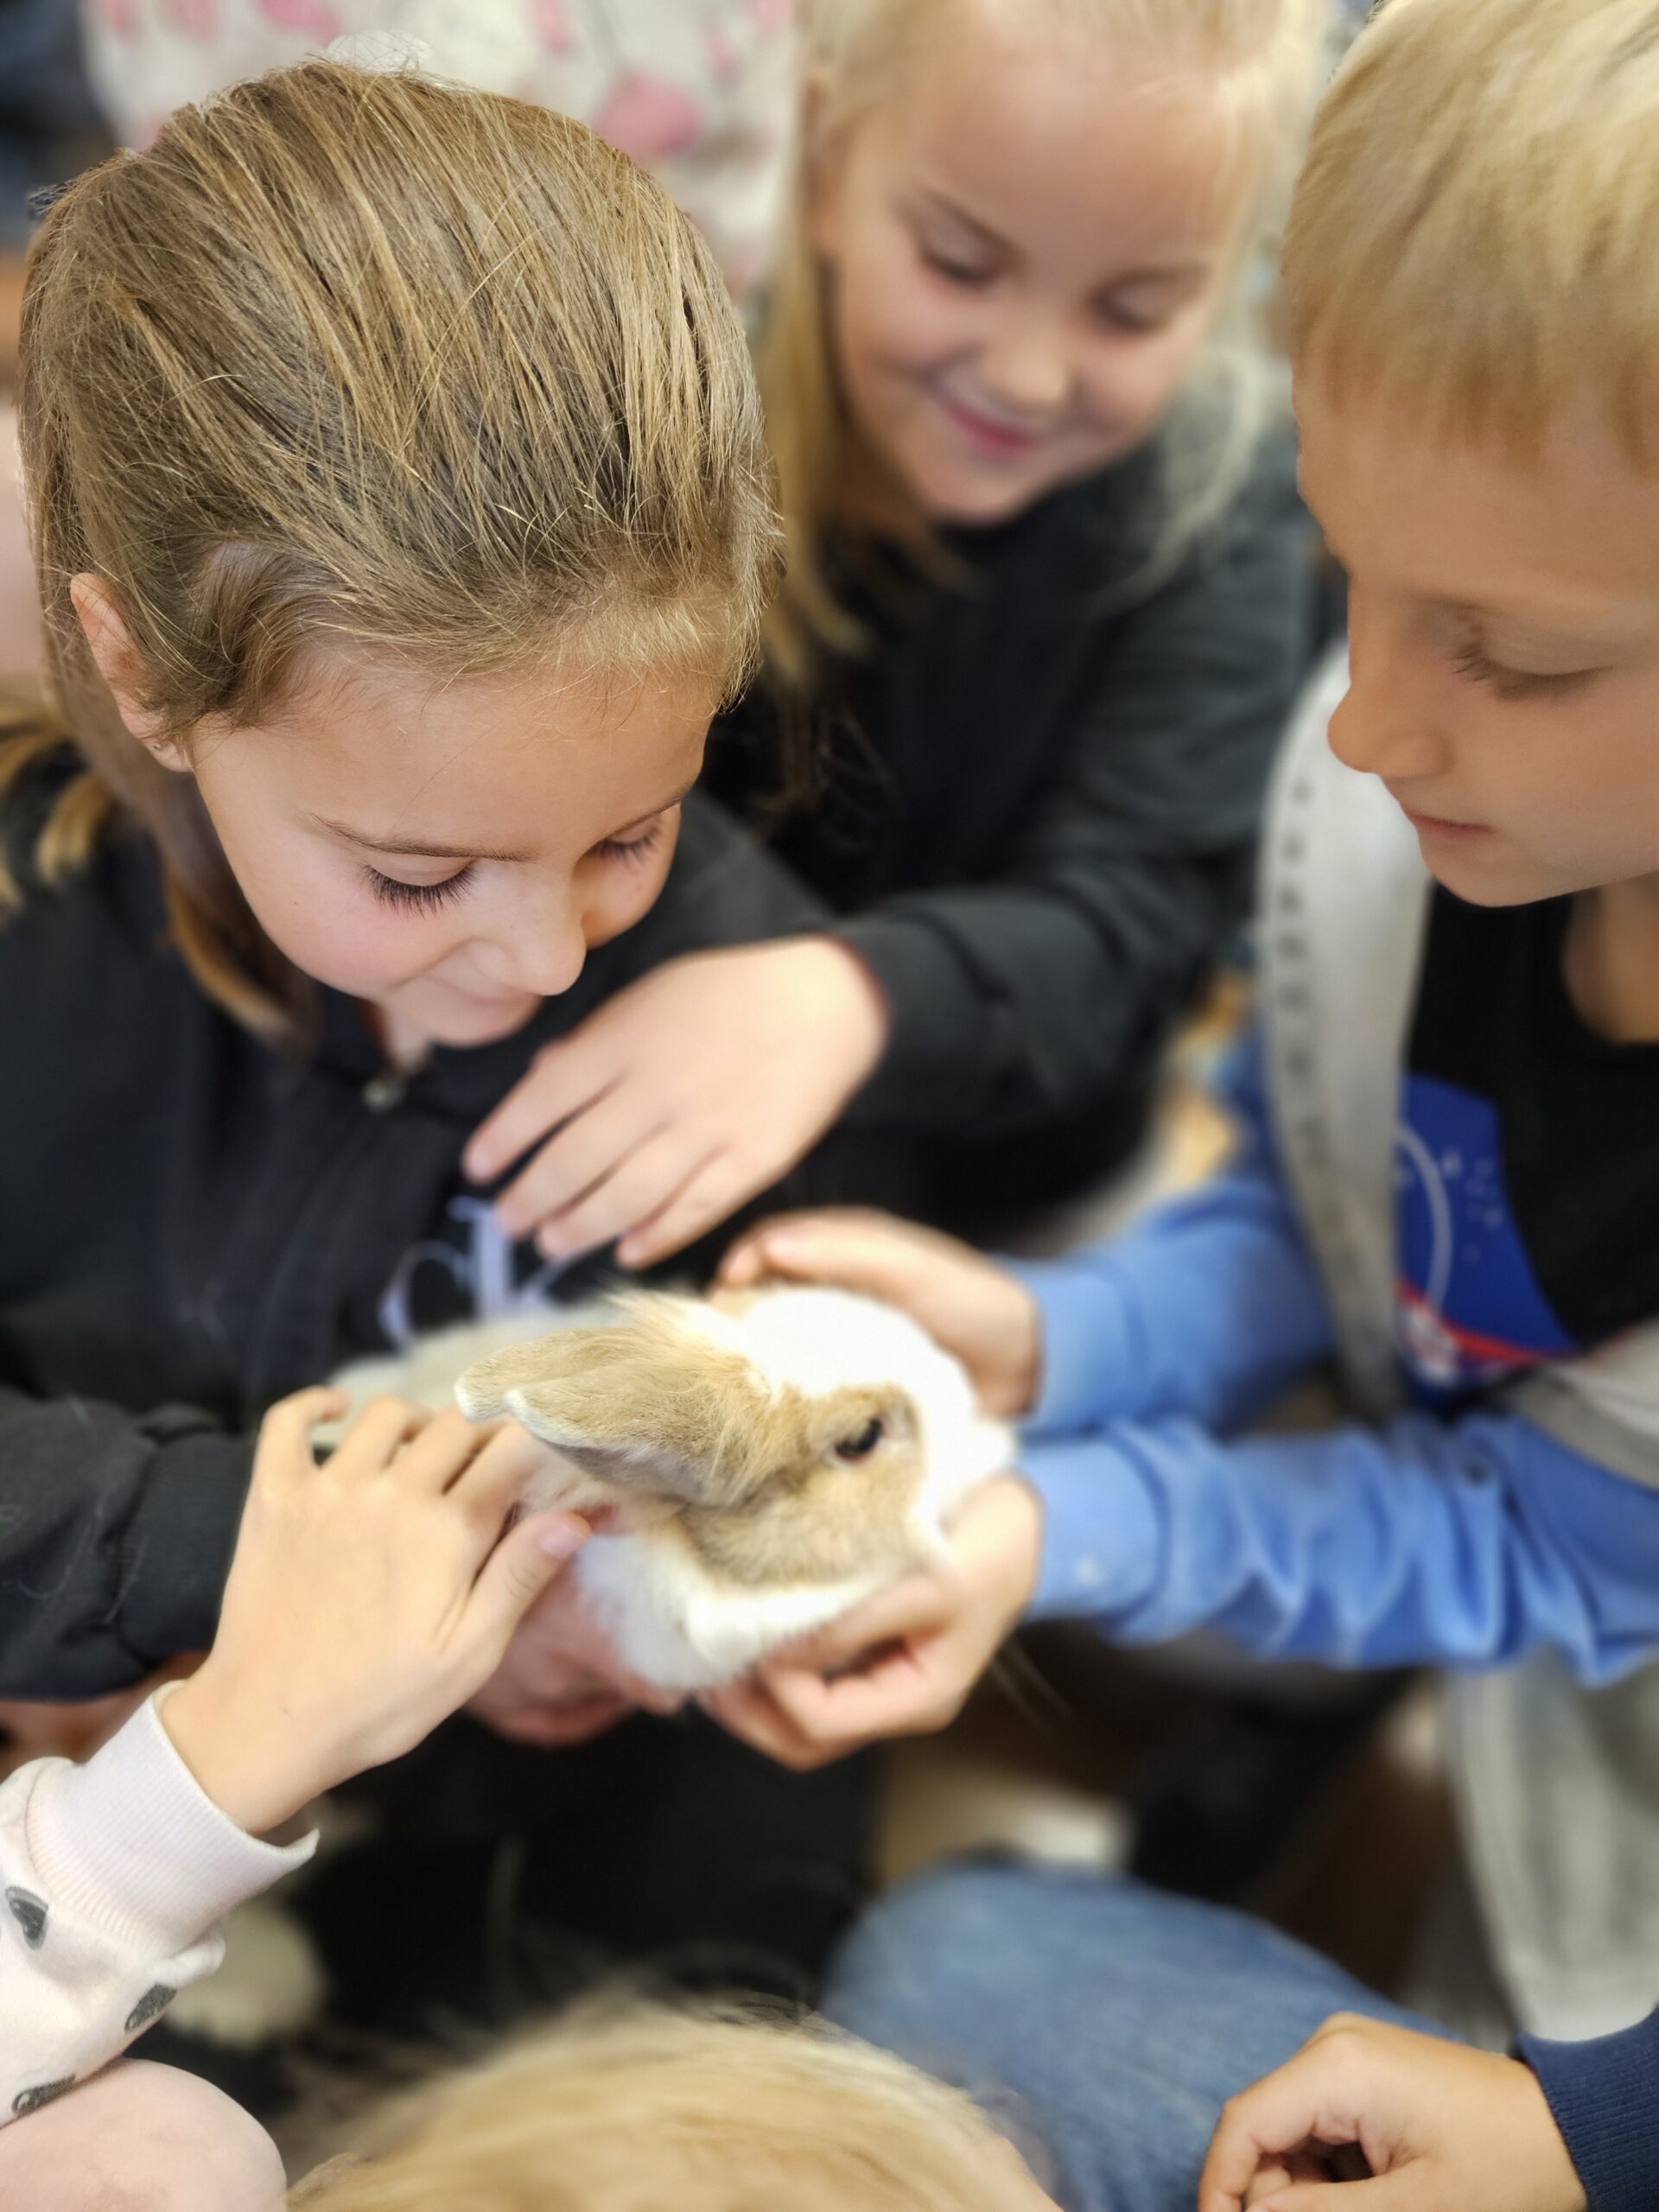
(630, 2111)
(1473, 296)
(400, 500)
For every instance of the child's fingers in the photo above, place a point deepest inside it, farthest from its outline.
(1271, 2118)
(285, 1433)
(439, 1453)
(529, 1557)
(743, 1264)
(749, 1714)
(832, 1244)
(1396, 2192)
(893, 1696)
(717, 1189)
(804, 1722)
(561, 1080)
(492, 1481)
(750, 1260)
(1269, 2181)
(378, 1435)
(1263, 2121)
(579, 1157)
(919, 1605)
(637, 1189)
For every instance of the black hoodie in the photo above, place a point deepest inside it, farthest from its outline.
(1044, 822)
(190, 1227)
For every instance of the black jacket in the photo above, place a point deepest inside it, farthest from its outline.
(190, 1228)
(1048, 796)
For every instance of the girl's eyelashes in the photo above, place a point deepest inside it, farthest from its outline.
(417, 897)
(974, 273)
(1118, 314)
(429, 898)
(631, 850)
(1516, 683)
(957, 267)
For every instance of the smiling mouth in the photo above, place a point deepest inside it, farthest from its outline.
(989, 432)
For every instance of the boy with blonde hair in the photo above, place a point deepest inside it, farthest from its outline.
(1449, 1180)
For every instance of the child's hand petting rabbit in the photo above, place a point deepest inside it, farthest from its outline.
(903, 1662)
(369, 1597)
(717, 1072)
(975, 1310)
(766, 1466)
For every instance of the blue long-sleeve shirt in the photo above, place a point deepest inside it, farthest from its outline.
(1605, 2098)
(1461, 1541)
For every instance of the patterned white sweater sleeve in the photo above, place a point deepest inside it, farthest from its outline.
(115, 1875)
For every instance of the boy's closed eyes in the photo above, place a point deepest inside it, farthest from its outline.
(1504, 626)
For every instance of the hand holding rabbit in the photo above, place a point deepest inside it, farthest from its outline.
(904, 1662)
(368, 1598)
(980, 1314)
(769, 1464)
(682, 1096)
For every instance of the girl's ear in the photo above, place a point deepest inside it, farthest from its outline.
(115, 658)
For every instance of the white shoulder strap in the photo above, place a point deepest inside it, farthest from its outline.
(1342, 902)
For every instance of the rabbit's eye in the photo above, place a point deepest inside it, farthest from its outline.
(861, 1445)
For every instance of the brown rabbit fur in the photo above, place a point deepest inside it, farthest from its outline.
(775, 1459)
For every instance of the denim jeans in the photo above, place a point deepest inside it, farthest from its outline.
(1102, 2024)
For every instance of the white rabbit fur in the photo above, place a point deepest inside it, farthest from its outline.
(735, 1440)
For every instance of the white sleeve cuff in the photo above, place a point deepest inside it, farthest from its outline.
(130, 1843)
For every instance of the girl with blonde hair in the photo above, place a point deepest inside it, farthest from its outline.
(1445, 1184)
(401, 513)
(622, 2107)
(1048, 591)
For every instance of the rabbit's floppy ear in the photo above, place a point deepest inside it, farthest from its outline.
(653, 1405)
(481, 1393)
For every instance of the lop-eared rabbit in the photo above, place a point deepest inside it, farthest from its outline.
(773, 1459)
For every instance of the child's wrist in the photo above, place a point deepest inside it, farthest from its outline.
(869, 1016)
(1010, 1381)
(233, 1763)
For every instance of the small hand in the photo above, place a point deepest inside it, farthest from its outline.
(1437, 2127)
(559, 1682)
(682, 1096)
(975, 1309)
(902, 1663)
(368, 1598)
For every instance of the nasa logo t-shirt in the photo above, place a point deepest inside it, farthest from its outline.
(1526, 1160)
